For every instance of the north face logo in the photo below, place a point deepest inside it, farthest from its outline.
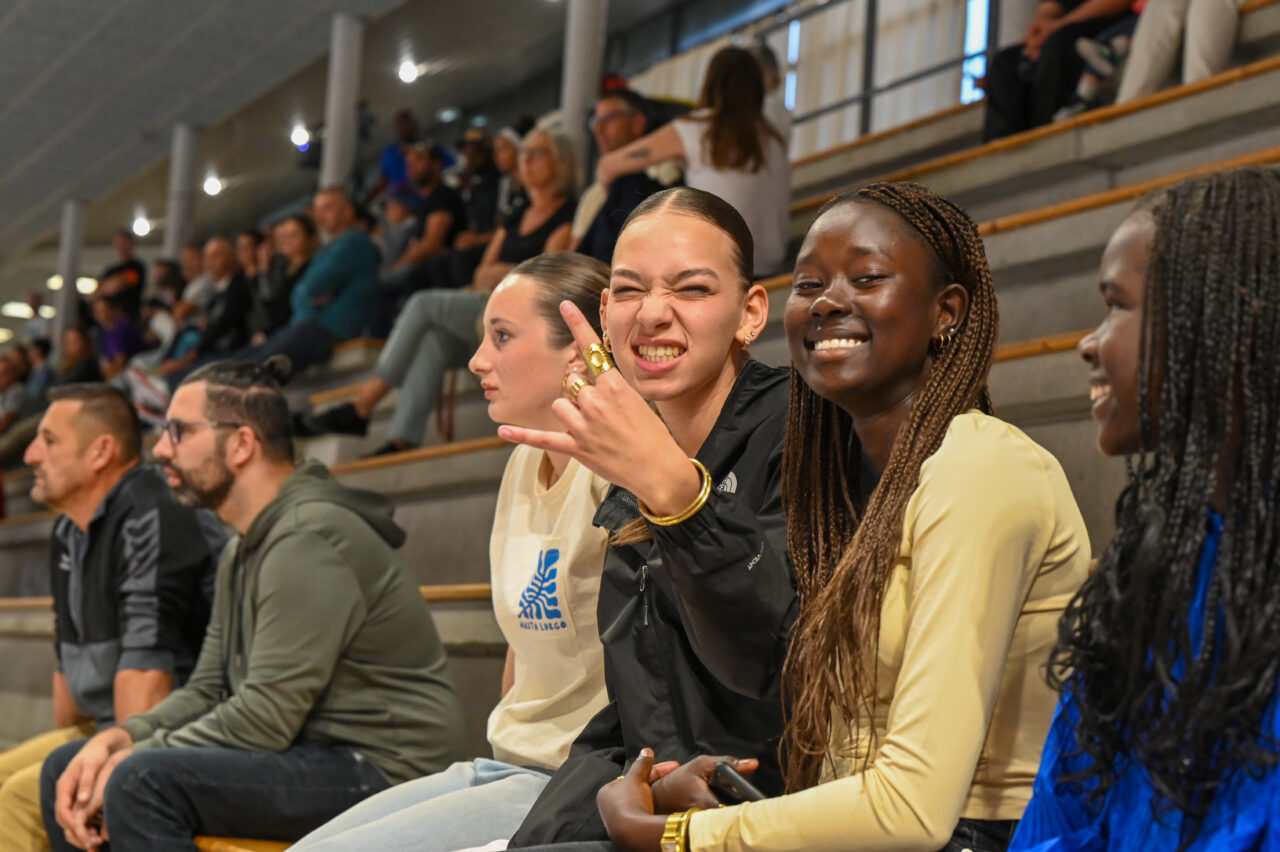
(540, 605)
(729, 484)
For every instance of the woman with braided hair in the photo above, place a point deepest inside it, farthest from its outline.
(1166, 735)
(934, 547)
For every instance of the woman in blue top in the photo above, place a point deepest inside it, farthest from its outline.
(1168, 659)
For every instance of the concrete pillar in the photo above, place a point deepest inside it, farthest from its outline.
(71, 240)
(584, 42)
(180, 214)
(340, 121)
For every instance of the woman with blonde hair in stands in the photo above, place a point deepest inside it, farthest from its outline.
(729, 149)
(545, 562)
(436, 330)
(934, 547)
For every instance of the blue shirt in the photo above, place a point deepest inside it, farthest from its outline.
(340, 286)
(1060, 817)
(392, 166)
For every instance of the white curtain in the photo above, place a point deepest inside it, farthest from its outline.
(912, 35)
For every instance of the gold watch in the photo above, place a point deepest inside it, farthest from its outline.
(675, 837)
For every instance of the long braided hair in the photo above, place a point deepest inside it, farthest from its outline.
(843, 562)
(1209, 402)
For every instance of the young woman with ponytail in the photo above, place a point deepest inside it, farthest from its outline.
(934, 546)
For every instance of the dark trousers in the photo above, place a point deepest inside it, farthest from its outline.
(306, 343)
(159, 800)
(1021, 93)
(971, 835)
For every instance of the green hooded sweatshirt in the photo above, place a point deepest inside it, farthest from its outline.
(318, 636)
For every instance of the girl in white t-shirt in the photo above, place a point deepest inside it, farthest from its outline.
(729, 149)
(546, 560)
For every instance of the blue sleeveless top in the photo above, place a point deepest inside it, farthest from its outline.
(1060, 818)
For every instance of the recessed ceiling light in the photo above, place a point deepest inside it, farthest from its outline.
(299, 135)
(48, 311)
(212, 184)
(6, 335)
(54, 282)
(17, 310)
(448, 115)
(141, 225)
(86, 285)
(408, 71)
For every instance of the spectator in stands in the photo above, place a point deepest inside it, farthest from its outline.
(619, 119)
(1029, 82)
(775, 93)
(1210, 36)
(296, 239)
(14, 402)
(437, 330)
(36, 328)
(248, 242)
(119, 337)
(42, 375)
(322, 677)
(78, 360)
(479, 183)
(126, 279)
(729, 149)
(542, 531)
(1103, 56)
(506, 156)
(1165, 735)
(678, 317)
(934, 549)
(199, 287)
(399, 224)
(392, 168)
(131, 573)
(225, 323)
(441, 217)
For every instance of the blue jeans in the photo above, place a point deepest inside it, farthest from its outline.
(158, 800)
(468, 804)
(436, 331)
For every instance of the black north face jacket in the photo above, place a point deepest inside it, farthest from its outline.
(694, 623)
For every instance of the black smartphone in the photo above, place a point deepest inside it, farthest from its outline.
(731, 787)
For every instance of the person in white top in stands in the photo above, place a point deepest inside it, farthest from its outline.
(730, 149)
(546, 560)
(775, 92)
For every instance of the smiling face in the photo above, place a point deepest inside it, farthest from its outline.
(675, 311)
(519, 369)
(196, 467)
(1112, 349)
(864, 307)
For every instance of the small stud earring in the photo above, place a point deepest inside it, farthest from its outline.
(604, 341)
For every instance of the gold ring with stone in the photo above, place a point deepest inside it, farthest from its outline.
(573, 387)
(598, 359)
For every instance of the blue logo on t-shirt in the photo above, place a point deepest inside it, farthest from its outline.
(539, 605)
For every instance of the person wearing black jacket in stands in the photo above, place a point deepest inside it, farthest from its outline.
(697, 595)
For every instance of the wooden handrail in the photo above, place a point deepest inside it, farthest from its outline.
(1085, 119)
(1040, 346)
(325, 397)
(446, 593)
(238, 844)
(908, 127)
(359, 343)
(1255, 5)
(38, 517)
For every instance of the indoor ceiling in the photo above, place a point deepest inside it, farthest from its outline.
(90, 90)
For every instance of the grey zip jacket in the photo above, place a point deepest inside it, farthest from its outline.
(318, 636)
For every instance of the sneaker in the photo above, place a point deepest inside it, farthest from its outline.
(1098, 55)
(390, 448)
(342, 419)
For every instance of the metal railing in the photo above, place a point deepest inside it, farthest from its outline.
(865, 98)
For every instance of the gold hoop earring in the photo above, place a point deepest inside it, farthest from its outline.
(604, 341)
(943, 341)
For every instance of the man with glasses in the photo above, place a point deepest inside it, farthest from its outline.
(322, 680)
(132, 580)
(620, 117)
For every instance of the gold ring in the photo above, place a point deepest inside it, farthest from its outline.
(573, 387)
(598, 359)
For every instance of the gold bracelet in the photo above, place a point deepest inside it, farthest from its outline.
(691, 510)
(675, 836)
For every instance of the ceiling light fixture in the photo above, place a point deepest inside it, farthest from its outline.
(48, 311)
(409, 71)
(54, 282)
(6, 334)
(213, 184)
(141, 225)
(299, 136)
(448, 115)
(86, 285)
(17, 310)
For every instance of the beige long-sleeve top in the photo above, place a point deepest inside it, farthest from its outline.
(993, 548)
